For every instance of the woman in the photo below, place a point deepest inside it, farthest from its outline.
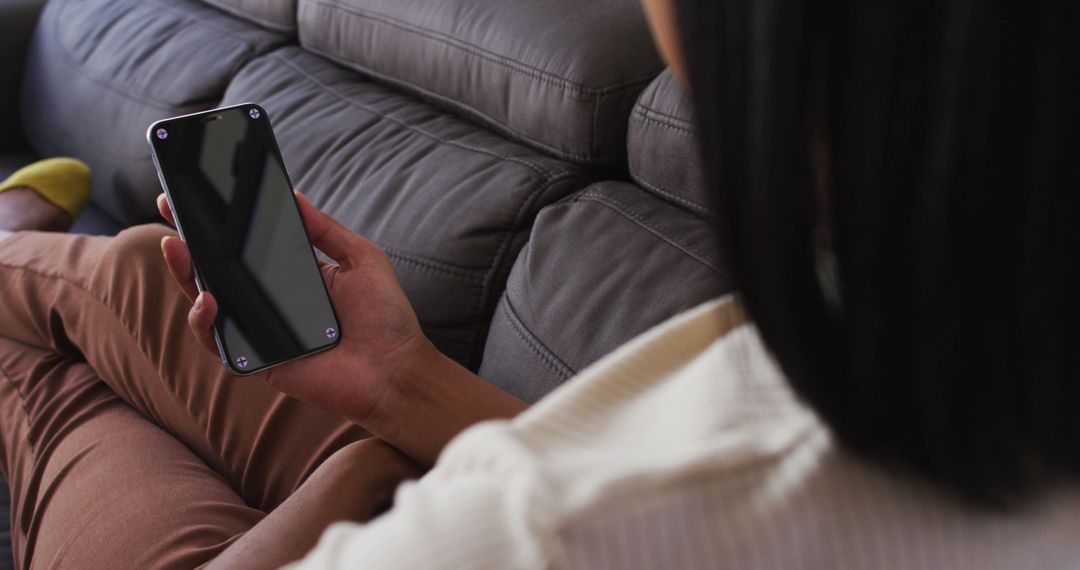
(895, 196)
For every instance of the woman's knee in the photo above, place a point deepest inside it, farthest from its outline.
(139, 243)
(135, 251)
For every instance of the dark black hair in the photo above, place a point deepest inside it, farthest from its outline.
(949, 346)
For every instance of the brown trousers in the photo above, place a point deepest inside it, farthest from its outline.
(125, 444)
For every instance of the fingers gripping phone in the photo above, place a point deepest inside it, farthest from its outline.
(234, 206)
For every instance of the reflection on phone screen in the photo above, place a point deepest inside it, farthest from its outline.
(234, 203)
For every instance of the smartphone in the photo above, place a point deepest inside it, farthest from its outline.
(233, 204)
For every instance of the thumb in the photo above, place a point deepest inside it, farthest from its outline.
(335, 240)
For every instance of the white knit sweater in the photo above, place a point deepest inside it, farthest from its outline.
(683, 449)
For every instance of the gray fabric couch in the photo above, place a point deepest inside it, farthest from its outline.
(528, 164)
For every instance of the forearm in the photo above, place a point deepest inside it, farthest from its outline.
(427, 404)
(355, 484)
(431, 401)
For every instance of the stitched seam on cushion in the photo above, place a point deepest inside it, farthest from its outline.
(640, 114)
(461, 274)
(468, 111)
(204, 23)
(681, 201)
(262, 21)
(632, 215)
(77, 66)
(427, 267)
(539, 169)
(567, 84)
(647, 115)
(688, 123)
(538, 348)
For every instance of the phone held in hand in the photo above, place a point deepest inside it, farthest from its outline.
(234, 206)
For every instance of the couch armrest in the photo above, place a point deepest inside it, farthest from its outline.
(17, 22)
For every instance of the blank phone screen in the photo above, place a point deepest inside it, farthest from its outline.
(235, 208)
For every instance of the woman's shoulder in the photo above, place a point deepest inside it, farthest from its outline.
(658, 352)
(711, 352)
(688, 446)
(703, 370)
(697, 393)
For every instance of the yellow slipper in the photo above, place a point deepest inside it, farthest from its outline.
(63, 181)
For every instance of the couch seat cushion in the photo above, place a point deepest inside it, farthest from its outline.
(601, 268)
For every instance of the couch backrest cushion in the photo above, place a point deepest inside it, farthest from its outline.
(278, 15)
(99, 72)
(663, 145)
(601, 267)
(558, 75)
(451, 203)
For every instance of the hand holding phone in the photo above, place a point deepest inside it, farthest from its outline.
(233, 204)
(384, 374)
(380, 333)
(246, 246)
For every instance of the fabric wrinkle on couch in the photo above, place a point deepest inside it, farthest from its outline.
(637, 256)
(100, 71)
(451, 203)
(635, 263)
(277, 15)
(558, 75)
(663, 142)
